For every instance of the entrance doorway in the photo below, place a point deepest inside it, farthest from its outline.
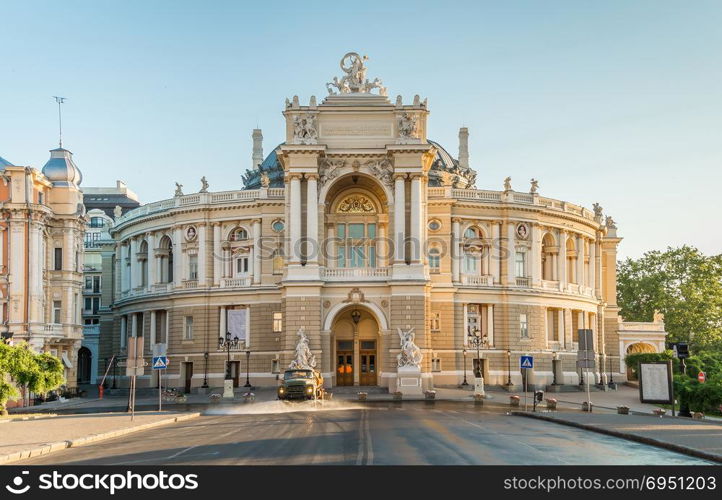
(85, 358)
(188, 377)
(344, 362)
(367, 356)
(235, 370)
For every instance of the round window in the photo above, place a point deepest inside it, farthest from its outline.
(434, 225)
(278, 226)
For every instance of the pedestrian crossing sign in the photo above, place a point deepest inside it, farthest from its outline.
(526, 362)
(160, 362)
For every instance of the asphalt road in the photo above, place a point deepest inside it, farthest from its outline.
(277, 433)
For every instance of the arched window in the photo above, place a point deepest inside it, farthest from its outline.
(166, 259)
(571, 261)
(143, 261)
(475, 252)
(356, 231)
(238, 234)
(548, 251)
(471, 233)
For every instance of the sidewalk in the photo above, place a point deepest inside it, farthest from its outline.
(691, 437)
(21, 439)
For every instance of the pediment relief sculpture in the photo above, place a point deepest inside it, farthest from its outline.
(356, 204)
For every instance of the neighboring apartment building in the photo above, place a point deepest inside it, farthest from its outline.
(102, 205)
(42, 221)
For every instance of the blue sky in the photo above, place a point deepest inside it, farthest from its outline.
(618, 102)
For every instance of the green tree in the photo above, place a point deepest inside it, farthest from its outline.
(21, 367)
(683, 284)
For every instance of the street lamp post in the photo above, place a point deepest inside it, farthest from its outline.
(226, 344)
(554, 371)
(205, 370)
(465, 383)
(508, 368)
(611, 384)
(248, 365)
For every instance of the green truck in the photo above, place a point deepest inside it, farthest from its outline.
(301, 384)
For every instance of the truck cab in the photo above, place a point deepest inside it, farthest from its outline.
(301, 384)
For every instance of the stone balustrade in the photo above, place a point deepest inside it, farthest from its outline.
(355, 273)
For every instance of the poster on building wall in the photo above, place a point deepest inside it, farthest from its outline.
(655, 382)
(237, 319)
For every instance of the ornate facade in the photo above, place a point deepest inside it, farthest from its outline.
(41, 255)
(358, 228)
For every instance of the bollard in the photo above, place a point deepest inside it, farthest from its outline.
(623, 410)
(514, 400)
(430, 394)
(101, 390)
(551, 404)
(362, 396)
(587, 406)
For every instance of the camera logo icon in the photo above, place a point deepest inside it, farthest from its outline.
(17, 487)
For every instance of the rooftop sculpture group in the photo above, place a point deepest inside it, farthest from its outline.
(354, 81)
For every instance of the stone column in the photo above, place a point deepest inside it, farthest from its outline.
(134, 282)
(153, 333)
(598, 269)
(217, 254)
(562, 260)
(399, 217)
(559, 335)
(455, 249)
(222, 322)
(510, 253)
(312, 241)
(331, 248)
(152, 261)
(123, 331)
(590, 267)
(381, 249)
(118, 270)
(256, 251)
(416, 229)
(490, 323)
(177, 256)
(294, 228)
(495, 251)
(536, 256)
(134, 325)
(202, 255)
(580, 261)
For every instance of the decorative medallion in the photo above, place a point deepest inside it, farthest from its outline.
(356, 204)
(191, 233)
(434, 225)
(522, 231)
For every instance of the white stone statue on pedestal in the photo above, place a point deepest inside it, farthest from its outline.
(305, 359)
(409, 364)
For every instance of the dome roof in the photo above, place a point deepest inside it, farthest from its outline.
(444, 169)
(61, 170)
(4, 163)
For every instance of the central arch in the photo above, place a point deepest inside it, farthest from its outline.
(355, 334)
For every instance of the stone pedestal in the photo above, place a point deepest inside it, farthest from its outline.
(479, 386)
(408, 381)
(228, 388)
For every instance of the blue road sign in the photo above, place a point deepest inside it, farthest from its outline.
(160, 362)
(526, 362)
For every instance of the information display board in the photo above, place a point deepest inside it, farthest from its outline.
(655, 382)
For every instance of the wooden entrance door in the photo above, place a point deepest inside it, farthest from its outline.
(344, 362)
(188, 377)
(368, 362)
(235, 372)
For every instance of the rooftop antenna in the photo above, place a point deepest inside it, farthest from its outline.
(60, 100)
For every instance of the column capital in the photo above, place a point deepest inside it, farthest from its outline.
(416, 175)
(293, 176)
(456, 220)
(399, 175)
(311, 176)
(257, 220)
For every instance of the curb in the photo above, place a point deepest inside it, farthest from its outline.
(628, 436)
(72, 443)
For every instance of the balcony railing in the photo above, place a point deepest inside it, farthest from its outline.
(235, 282)
(355, 273)
(525, 282)
(477, 279)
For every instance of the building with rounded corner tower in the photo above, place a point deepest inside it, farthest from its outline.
(359, 229)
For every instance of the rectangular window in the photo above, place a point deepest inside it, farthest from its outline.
(242, 266)
(88, 304)
(188, 330)
(275, 366)
(278, 322)
(192, 267)
(473, 320)
(520, 264)
(523, 326)
(88, 283)
(356, 231)
(471, 264)
(435, 364)
(56, 312)
(357, 256)
(96, 305)
(435, 321)
(96, 284)
(58, 263)
(434, 260)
